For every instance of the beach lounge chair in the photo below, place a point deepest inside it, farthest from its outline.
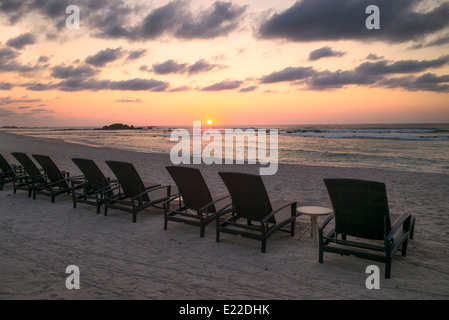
(196, 205)
(34, 178)
(131, 194)
(254, 215)
(57, 181)
(93, 187)
(363, 226)
(9, 172)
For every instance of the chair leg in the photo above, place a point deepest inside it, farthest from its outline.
(217, 234)
(202, 230)
(264, 245)
(388, 269)
(404, 248)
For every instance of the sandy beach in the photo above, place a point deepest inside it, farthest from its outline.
(119, 259)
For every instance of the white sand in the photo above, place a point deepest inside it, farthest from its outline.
(119, 259)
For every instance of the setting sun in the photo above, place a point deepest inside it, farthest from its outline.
(209, 122)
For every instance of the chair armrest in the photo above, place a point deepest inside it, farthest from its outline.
(404, 220)
(173, 197)
(213, 202)
(290, 203)
(110, 187)
(149, 189)
(326, 222)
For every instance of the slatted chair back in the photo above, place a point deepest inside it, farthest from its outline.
(192, 187)
(360, 206)
(249, 195)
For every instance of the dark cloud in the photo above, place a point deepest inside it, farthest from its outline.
(6, 85)
(103, 57)
(220, 19)
(327, 80)
(65, 72)
(21, 41)
(224, 85)
(138, 85)
(378, 74)
(79, 84)
(9, 62)
(174, 19)
(288, 74)
(324, 52)
(136, 54)
(403, 66)
(171, 66)
(426, 82)
(317, 20)
(373, 56)
(202, 66)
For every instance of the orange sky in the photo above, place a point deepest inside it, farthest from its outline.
(173, 62)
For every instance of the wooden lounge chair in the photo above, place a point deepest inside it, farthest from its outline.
(131, 194)
(57, 181)
(9, 172)
(93, 187)
(363, 224)
(34, 178)
(253, 214)
(196, 205)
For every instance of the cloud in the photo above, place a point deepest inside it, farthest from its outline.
(248, 89)
(180, 89)
(373, 56)
(21, 41)
(6, 85)
(129, 100)
(136, 84)
(220, 19)
(103, 57)
(224, 85)
(9, 63)
(327, 80)
(324, 52)
(288, 74)
(403, 66)
(173, 19)
(378, 74)
(171, 66)
(318, 20)
(8, 100)
(426, 82)
(65, 72)
(136, 54)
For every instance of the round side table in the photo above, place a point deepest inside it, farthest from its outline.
(314, 212)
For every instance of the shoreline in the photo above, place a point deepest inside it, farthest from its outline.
(138, 151)
(119, 259)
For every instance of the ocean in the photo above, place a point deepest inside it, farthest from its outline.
(407, 147)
